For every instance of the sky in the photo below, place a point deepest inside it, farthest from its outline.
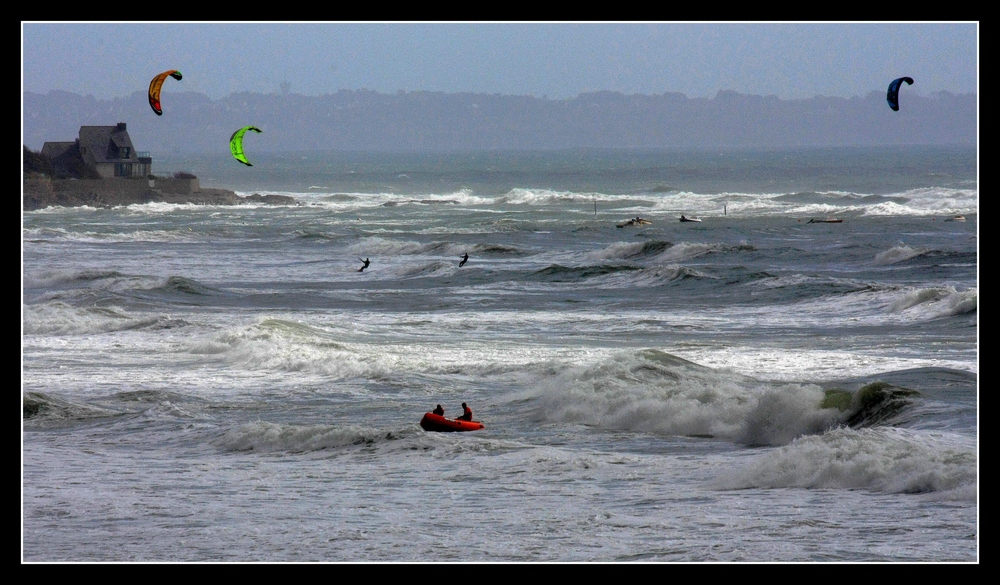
(554, 60)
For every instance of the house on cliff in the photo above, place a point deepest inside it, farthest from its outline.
(106, 150)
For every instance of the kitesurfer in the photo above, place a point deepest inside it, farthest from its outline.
(439, 411)
(464, 260)
(367, 262)
(466, 414)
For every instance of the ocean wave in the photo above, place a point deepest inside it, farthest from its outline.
(683, 251)
(883, 459)
(42, 408)
(931, 201)
(660, 275)
(630, 250)
(313, 234)
(274, 344)
(127, 236)
(39, 235)
(933, 303)
(499, 250)
(560, 273)
(425, 270)
(799, 300)
(54, 278)
(898, 253)
(349, 201)
(656, 392)
(523, 196)
(58, 318)
(266, 437)
(651, 277)
(277, 345)
(116, 282)
(652, 391)
(808, 285)
(376, 245)
(902, 253)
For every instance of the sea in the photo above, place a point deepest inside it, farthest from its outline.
(792, 379)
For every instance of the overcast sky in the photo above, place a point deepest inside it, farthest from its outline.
(554, 60)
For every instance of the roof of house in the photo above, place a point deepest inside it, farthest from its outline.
(101, 144)
(54, 150)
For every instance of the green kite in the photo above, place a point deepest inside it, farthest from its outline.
(236, 143)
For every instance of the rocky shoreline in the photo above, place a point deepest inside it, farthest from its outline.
(39, 193)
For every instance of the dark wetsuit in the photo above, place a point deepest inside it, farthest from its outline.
(464, 260)
(365, 266)
(467, 415)
(439, 411)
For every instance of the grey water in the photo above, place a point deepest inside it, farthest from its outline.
(222, 384)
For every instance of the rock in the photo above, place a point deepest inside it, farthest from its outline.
(42, 192)
(269, 199)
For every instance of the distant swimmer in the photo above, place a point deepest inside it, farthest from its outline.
(464, 260)
(367, 262)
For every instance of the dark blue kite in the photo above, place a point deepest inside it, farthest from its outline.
(893, 95)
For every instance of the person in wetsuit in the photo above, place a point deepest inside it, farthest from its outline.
(367, 262)
(464, 260)
(466, 414)
(439, 411)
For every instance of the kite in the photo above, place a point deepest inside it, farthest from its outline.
(236, 143)
(893, 94)
(154, 89)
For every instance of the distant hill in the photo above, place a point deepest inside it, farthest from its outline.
(418, 121)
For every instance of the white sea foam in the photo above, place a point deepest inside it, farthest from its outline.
(57, 318)
(651, 391)
(932, 303)
(264, 437)
(183, 365)
(522, 196)
(881, 459)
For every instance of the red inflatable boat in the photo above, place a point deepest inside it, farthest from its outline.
(436, 422)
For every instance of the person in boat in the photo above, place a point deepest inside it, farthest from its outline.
(466, 412)
(683, 218)
(439, 411)
(367, 262)
(464, 260)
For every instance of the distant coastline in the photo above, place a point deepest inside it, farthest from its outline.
(424, 121)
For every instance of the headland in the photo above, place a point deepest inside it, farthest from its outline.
(40, 191)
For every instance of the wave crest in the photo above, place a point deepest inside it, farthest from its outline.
(881, 459)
